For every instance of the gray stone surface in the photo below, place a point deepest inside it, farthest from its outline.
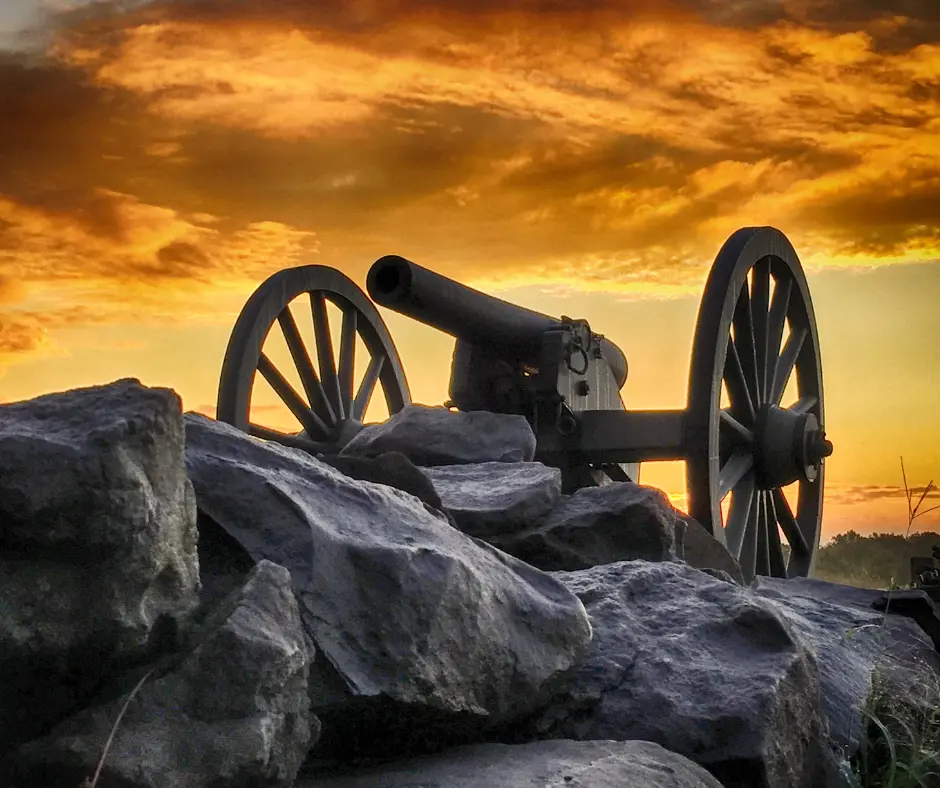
(701, 550)
(545, 764)
(439, 436)
(421, 631)
(492, 498)
(97, 543)
(233, 711)
(707, 669)
(392, 468)
(852, 641)
(598, 525)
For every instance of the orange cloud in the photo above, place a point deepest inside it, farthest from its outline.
(179, 147)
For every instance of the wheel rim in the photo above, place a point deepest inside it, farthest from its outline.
(330, 408)
(756, 446)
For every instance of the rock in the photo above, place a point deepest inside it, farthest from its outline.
(492, 498)
(704, 668)
(223, 562)
(97, 544)
(392, 468)
(234, 711)
(438, 436)
(423, 633)
(598, 525)
(701, 550)
(852, 642)
(917, 605)
(544, 764)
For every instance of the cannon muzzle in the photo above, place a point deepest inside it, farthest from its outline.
(510, 331)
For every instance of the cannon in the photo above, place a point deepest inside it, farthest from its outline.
(755, 336)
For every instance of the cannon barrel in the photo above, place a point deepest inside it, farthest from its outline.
(509, 330)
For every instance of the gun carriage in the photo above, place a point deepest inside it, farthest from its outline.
(755, 331)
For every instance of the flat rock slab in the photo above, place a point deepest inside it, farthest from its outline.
(421, 631)
(545, 764)
(598, 525)
(439, 436)
(492, 498)
(700, 666)
(233, 711)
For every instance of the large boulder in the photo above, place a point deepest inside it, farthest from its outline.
(439, 436)
(598, 525)
(233, 711)
(392, 468)
(98, 557)
(855, 645)
(703, 551)
(544, 764)
(423, 634)
(700, 666)
(492, 498)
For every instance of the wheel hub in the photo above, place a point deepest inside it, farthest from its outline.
(790, 447)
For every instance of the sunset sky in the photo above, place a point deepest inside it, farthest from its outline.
(158, 160)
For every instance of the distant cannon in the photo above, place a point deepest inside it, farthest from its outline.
(755, 337)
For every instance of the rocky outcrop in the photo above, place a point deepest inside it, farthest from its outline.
(544, 764)
(97, 544)
(357, 611)
(233, 711)
(701, 550)
(439, 436)
(391, 468)
(490, 499)
(700, 666)
(416, 622)
(853, 641)
(598, 525)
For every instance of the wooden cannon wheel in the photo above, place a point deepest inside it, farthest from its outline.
(755, 447)
(331, 408)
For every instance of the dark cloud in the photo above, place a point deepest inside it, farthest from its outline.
(921, 18)
(18, 335)
(183, 260)
(873, 492)
(462, 183)
(881, 218)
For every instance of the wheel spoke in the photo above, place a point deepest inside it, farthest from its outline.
(325, 358)
(763, 535)
(347, 359)
(778, 564)
(733, 471)
(760, 316)
(311, 383)
(312, 423)
(738, 514)
(804, 404)
(367, 387)
(785, 363)
(788, 524)
(738, 391)
(744, 340)
(748, 558)
(741, 433)
(777, 322)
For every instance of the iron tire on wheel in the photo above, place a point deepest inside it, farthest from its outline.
(757, 446)
(330, 409)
